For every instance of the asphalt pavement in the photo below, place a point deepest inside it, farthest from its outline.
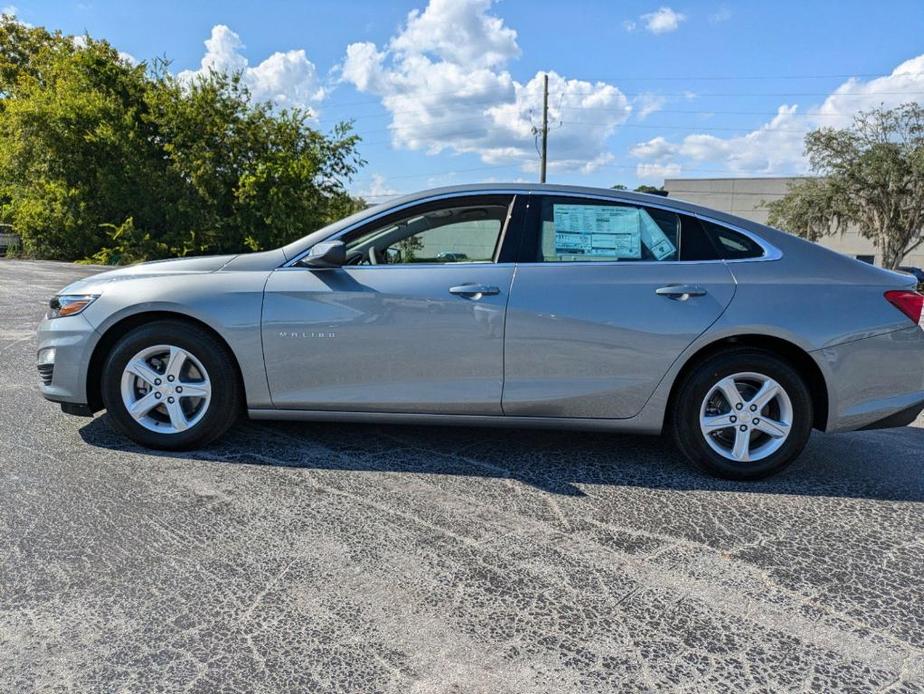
(330, 557)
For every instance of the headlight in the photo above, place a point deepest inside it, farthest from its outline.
(69, 304)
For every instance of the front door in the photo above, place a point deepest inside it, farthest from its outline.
(413, 323)
(603, 304)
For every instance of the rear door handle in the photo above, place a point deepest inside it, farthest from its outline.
(474, 290)
(680, 292)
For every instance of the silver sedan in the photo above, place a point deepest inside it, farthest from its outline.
(510, 305)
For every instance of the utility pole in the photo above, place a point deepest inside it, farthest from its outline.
(545, 126)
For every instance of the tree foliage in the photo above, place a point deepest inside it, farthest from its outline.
(117, 162)
(644, 188)
(870, 175)
(653, 190)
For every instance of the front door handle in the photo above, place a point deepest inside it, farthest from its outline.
(680, 292)
(474, 291)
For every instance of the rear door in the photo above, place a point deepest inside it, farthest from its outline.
(602, 304)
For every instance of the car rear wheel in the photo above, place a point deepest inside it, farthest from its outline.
(742, 414)
(170, 385)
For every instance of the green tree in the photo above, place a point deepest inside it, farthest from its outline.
(73, 140)
(644, 188)
(870, 175)
(117, 162)
(256, 178)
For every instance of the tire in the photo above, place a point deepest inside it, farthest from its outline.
(204, 394)
(729, 439)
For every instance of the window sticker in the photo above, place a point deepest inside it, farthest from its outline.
(655, 239)
(607, 231)
(598, 230)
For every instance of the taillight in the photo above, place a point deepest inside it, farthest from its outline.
(908, 302)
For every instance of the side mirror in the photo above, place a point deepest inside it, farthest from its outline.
(326, 254)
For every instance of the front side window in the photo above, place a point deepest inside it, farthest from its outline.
(452, 233)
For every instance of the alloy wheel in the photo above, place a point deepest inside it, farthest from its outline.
(166, 389)
(746, 417)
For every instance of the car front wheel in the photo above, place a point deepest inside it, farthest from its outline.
(742, 414)
(170, 385)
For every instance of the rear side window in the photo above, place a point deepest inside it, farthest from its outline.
(582, 230)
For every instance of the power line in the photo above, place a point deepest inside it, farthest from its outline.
(634, 126)
(545, 127)
(676, 78)
(709, 112)
(715, 112)
(643, 126)
(628, 110)
(729, 78)
(538, 130)
(639, 126)
(495, 99)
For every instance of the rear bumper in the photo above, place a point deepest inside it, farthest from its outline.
(64, 378)
(875, 382)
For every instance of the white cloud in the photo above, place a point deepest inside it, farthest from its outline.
(723, 14)
(377, 190)
(12, 12)
(655, 172)
(286, 78)
(444, 80)
(656, 149)
(905, 83)
(663, 20)
(648, 103)
(459, 32)
(776, 147)
(629, 25)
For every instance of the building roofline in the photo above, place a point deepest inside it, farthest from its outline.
(740, 178)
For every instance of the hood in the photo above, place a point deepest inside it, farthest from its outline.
(177, 266)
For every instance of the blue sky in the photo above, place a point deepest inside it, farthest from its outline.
(447, 91)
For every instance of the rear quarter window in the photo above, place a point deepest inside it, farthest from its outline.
(730, 244)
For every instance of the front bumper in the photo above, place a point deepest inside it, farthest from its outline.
(874, 382)
(64, 377)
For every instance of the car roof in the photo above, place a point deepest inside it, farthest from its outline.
(545, 188)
